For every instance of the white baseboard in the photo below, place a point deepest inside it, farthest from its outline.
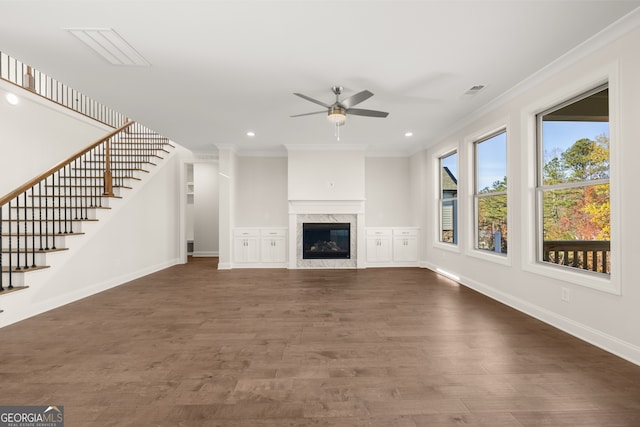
(205, 254)
(614, 345)
(84, 292)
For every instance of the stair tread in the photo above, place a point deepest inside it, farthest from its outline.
(99, 177)
(118, 169)
(56, 207)
(23, 270)
(37, 251)
(49, 220)
(43, 234)
(86, 186)
(84, 196)
(6, 290)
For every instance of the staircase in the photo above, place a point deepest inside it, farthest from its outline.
(38, 219)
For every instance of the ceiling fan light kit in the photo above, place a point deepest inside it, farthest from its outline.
(338, 111)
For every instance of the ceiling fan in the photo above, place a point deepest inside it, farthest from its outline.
(337, 112)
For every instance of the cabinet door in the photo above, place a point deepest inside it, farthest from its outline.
(378, 249)
(274, 249)
(405, 249)
(246, 249)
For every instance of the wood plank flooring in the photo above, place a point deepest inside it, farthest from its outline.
(194, 346)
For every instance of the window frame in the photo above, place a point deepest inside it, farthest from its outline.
(531, 209)
(477, 195)
(437, 161)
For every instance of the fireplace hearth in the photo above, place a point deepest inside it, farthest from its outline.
(326, 240)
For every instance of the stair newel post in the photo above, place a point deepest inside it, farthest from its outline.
(108, 177)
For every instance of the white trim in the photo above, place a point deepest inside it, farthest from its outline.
(325, 147)
(446, 150)
(469, 211)
(612, 344)
(205, 254)
(81, 293)
(624, 25)
(608, 73)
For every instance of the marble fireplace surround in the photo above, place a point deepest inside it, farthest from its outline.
(351, 211)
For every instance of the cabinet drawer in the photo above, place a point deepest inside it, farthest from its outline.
(405, 232)
(378, 232)
(244, 232)
(274, 232)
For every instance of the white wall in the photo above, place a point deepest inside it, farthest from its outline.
(604, 318)
(205, 207)
(326, 174)
(388, 192)
(51, 131)
(137, 236)
(226, 204)
(261, 192)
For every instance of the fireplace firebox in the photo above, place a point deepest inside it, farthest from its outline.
(326, 240)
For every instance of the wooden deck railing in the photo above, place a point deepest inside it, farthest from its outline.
(26, 77)
(593, 255)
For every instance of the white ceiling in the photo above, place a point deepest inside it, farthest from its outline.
(221, 68)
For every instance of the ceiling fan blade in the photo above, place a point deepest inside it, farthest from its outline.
(368, 113)
(315, 101)
(356, 99)
(309, 114)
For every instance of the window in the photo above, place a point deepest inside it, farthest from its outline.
(573, 184)
(449, 198)
(490, 194)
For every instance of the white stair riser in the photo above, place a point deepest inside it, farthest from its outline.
(59, 241)
(75, 192)
(91, 213)
(51, 226)
(18, 280)
(18, 259)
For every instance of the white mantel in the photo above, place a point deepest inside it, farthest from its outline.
(351, 211)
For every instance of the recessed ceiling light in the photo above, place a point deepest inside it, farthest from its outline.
(12, 99)
(110, 45)
(251, 133)
(408, 134)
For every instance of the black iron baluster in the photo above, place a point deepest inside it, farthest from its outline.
(33, 230)
(46, 218)
(40, 211)
(10, 248)
(18, 233)
(68, 193)
(59, 204)
(1, 246)
(26, 231)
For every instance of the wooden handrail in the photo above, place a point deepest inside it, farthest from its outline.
(27, 185)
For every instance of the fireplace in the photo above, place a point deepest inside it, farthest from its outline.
(326, 240)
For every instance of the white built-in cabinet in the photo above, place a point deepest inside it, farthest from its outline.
(260, 247)
(273, 245)
(379, 249)
(392, 247)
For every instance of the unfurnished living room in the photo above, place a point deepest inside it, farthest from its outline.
(319, 213)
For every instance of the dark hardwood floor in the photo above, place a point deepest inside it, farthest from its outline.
(194, 346)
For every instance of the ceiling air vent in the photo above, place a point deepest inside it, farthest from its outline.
(473, 90)
(110, 45)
